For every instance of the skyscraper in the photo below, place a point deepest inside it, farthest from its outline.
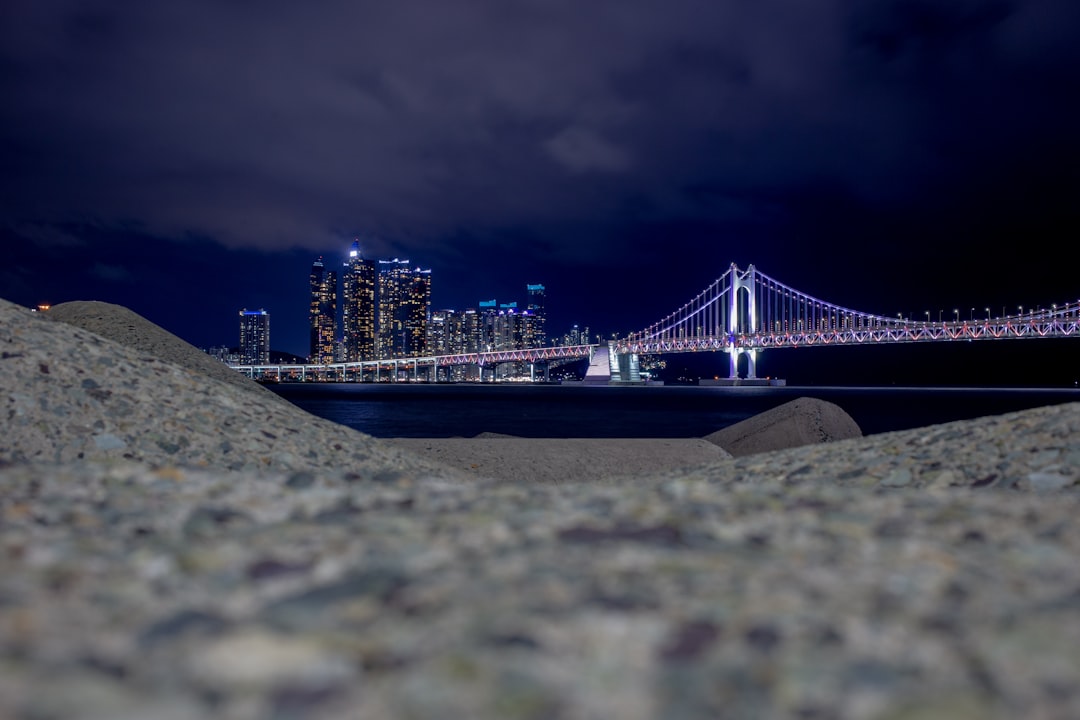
(359, 308)
(508, 328)
(417, 313)
(254, 337)
(439, 333)
(404, 306)
(323, 313)
(472, 330)
(535, 330)
(487, 318)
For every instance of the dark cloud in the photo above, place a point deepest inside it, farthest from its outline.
(574, 143)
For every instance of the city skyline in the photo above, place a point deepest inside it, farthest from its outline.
(892, 156)
(384, 298)
(386, 312)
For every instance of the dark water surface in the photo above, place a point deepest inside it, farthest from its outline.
(553, 411)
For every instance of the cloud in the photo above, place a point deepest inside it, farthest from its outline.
(283, 124)
(581, 150)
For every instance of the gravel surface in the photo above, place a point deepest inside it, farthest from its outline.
(560, 460)
(929, 573)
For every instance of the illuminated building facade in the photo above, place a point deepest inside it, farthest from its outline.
(440, 340)
(576, 336)
(488, 317)
(359, 311)
(404, 300)
(254, 337)
(417, 313)
(534, 331)
(323, 313)
(508, 328)
(471, 331)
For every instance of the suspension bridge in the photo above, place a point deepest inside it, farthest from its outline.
(745, 312)
(742, 313)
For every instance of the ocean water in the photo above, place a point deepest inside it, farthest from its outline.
(554, 411)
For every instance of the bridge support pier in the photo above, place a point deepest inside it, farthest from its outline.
(545, 368)
(751, 363)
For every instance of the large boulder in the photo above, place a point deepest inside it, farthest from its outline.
(68, 394)
(119, 324)
(804, 421)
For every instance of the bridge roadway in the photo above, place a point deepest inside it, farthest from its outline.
(415, 364)
(605, 365)
(1048, 325)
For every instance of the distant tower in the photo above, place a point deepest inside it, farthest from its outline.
(404, 307)
(417, 313)
(472, 330)
(508, 327)
(323, 313)
(440, 332)
(487, 319)
(535, 331)
(254, 337)
(359, 309)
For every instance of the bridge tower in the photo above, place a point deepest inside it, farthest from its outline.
(742, 319)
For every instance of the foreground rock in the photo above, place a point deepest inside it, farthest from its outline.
(123, 326)
(803, 421)
(928, 573)
(555, 460)
(71, 394)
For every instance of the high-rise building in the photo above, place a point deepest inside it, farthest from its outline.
(359, 310)
(417, 313)
(459, 324)
(323, 313)
(404, 297)
(254, 337)
(535, 325)
(440, 330)
(472, 330)
(393, 279)
(488, 317)
(508, 327)
(576, 336)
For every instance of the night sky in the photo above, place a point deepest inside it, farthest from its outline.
(191, 159)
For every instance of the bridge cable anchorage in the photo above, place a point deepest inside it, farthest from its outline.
(745, 312)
